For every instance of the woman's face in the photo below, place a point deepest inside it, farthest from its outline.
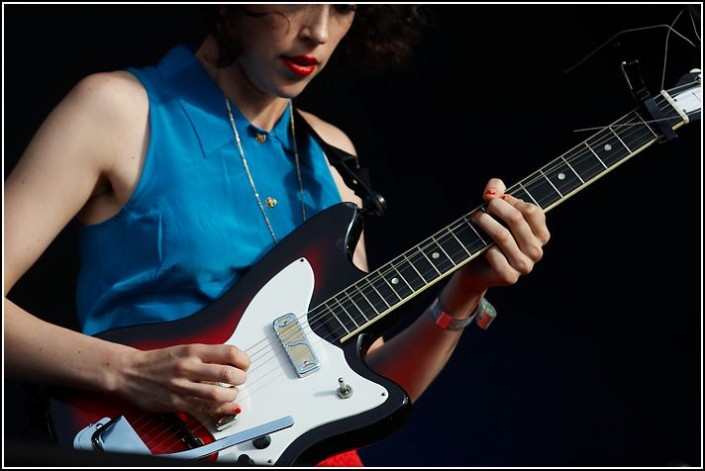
(285, 46)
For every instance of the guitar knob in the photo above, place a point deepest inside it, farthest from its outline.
(245, 460)
(262, 442)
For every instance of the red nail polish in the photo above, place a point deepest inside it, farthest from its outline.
(504, 197)
(237, 410)
(490, 192)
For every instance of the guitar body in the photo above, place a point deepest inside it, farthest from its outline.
(305, 269)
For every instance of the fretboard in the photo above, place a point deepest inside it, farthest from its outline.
(394, 283)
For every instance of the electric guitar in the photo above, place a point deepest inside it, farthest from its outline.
(306, 315)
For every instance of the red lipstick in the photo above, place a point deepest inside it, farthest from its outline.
(302, 65)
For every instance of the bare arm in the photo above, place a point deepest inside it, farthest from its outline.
(59, 173)
(81, 164)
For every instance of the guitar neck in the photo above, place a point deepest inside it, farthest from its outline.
(351, 311)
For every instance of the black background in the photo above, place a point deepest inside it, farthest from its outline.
(595, 358)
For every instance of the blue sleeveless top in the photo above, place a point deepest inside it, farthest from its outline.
(193, 227)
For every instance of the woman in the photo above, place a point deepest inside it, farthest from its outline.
(155, 217)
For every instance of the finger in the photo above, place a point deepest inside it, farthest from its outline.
(514, 212)
(536, 218)
(223, 375)
(494, 188)
(502, 236)
(213, 410)
(230, 409)
(222, 355)
(211, 393)
(500, 265)
(533, 214)
(193, 368)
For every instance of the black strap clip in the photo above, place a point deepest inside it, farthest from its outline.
(348, 165)
(641, 94)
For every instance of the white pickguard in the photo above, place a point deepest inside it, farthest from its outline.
(273, 389)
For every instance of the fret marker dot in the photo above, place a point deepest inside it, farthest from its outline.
(561, 176)
(608, 147)
(395, 281)
(435, 255)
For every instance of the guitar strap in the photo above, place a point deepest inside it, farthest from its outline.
(348, 165)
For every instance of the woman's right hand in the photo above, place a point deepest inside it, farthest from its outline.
(184, 378)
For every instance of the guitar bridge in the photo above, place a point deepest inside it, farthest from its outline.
(296, 345)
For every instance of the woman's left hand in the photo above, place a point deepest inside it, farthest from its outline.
(519, 232)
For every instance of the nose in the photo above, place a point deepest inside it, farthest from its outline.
(315, 26)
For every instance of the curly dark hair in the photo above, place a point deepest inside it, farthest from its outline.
(381, 35)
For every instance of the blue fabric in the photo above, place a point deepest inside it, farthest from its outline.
(192, 226)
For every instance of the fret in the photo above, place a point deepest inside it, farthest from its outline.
(470, 224)
(348, 320)
(452, 247)
(572, 169)
(528, 195)
(563, 177)
(438, 255)
(587, 164)
(410, 274)
(352, 304)
(620, 139)
(636, 133)
(541, 191)
(608, 149)
(469, 237)
(331, 323)
(362, 302)
(375, 298)
(423, 265)
(399, 283)
(385, 289)
(519, 192)
(551, 183)
(333, 326)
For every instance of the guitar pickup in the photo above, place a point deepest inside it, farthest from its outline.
(296, 345)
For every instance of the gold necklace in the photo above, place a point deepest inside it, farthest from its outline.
(249, 174)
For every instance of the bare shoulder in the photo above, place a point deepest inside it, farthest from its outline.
(96, 118)
(330, 133)
(92, 143)
(113, 95)
(102, 84)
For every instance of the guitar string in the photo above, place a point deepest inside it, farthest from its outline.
(637, 125)
(162, 438)
(393, 267)
(318, 313)
(146, 425)
(608, 138)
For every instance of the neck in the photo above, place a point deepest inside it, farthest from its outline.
(261, 109)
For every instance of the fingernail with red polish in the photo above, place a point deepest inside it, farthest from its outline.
(490, 192)
(237, 410)
(504, 197)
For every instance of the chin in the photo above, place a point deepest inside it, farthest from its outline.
(291, 90)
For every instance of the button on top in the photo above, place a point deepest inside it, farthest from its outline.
(260, 137)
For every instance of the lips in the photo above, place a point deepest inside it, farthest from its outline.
(302, 65)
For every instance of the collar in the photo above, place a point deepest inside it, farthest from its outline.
(204, 104)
